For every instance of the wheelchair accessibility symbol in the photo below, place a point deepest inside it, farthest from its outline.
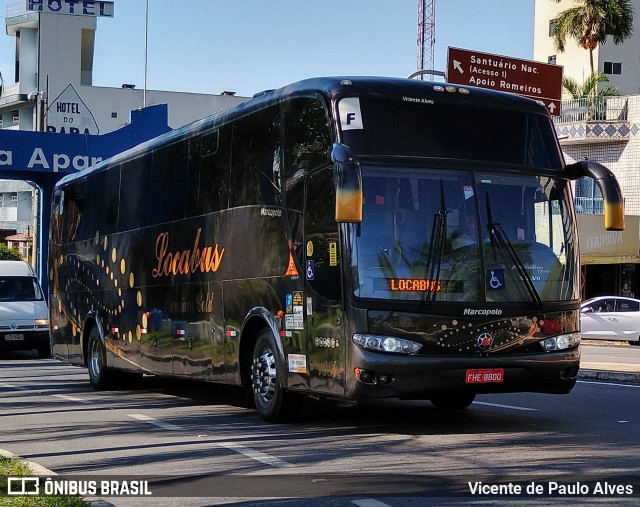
(310, 270)
(495, 279)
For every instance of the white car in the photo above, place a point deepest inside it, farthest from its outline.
(611, 318)
(24, 316)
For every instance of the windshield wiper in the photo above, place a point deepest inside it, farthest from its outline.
(436, 248)
(498, 236)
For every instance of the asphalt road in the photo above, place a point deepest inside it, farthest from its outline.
(608, 352)
(198, 446)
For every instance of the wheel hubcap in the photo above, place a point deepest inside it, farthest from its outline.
(264, 375)
(95, 360)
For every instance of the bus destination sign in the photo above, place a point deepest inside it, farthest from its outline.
(535, 80)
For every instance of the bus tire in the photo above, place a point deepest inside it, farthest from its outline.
(100, 377)
(266, 375)
(452, 401)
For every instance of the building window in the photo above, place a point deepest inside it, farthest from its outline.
(551, 27)
(552, 60)
(613, 67)
(588, 198)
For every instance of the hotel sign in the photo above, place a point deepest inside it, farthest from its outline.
(93, 8)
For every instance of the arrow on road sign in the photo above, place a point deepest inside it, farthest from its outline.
(457, 66)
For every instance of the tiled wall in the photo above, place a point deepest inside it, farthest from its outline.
(605, 144)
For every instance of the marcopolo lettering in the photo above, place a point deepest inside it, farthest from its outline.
(489, 311)
(75, 7)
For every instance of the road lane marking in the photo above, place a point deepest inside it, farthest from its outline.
(240, 449)
(369, 502)
(155, 422)
(11, 386)
(607, 383)
(256, 455)
(512, 407)
(70, 398)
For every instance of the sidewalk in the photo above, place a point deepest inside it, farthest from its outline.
(612, 372)
(612, 361)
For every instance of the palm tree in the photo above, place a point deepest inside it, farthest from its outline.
(591, 22)
(589, 88)
(594, 97)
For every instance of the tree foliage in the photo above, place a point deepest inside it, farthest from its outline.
(590, 87)
(9, 254)
(590, 22)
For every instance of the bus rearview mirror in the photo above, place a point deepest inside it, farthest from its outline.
(347, 177)
(608, 184)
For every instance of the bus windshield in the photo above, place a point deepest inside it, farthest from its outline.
(446, 128)
(443, 236)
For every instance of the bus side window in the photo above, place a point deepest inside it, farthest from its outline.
(103, 191)
(255, 160)
(168, 183)
(321, 236)
(57, 215)
(78, 225)
(134, 205)
(213, 168)
(307, 138)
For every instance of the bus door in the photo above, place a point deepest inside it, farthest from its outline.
(323, 300)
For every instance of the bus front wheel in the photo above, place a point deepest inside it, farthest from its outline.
(452, 401)
(268, 394)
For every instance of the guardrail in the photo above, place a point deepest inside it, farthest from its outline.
(589, 205)
(594, 109)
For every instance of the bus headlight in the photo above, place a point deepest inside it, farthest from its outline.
(562, 341)
(386, 344)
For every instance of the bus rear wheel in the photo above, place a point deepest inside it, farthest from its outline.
(269, 396)
(100, 377)
(452, 401)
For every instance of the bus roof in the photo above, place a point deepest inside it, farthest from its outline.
(331, 88)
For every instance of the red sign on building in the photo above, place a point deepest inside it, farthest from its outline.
(539, 81)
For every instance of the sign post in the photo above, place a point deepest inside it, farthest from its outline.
(535, 80)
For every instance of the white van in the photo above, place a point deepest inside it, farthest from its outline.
(24, 316)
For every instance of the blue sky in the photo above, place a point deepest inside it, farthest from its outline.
(207, 46)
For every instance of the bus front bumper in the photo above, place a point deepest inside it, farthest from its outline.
(378, 375)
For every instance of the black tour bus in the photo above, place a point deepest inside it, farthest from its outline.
(344, 239)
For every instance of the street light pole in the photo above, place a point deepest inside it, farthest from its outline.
(146, 29)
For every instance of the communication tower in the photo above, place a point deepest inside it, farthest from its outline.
(426, 34)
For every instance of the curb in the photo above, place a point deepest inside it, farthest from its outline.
(40, 471)
(611, 376)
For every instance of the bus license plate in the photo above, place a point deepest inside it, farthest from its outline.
(484, 375)
(15, 337)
